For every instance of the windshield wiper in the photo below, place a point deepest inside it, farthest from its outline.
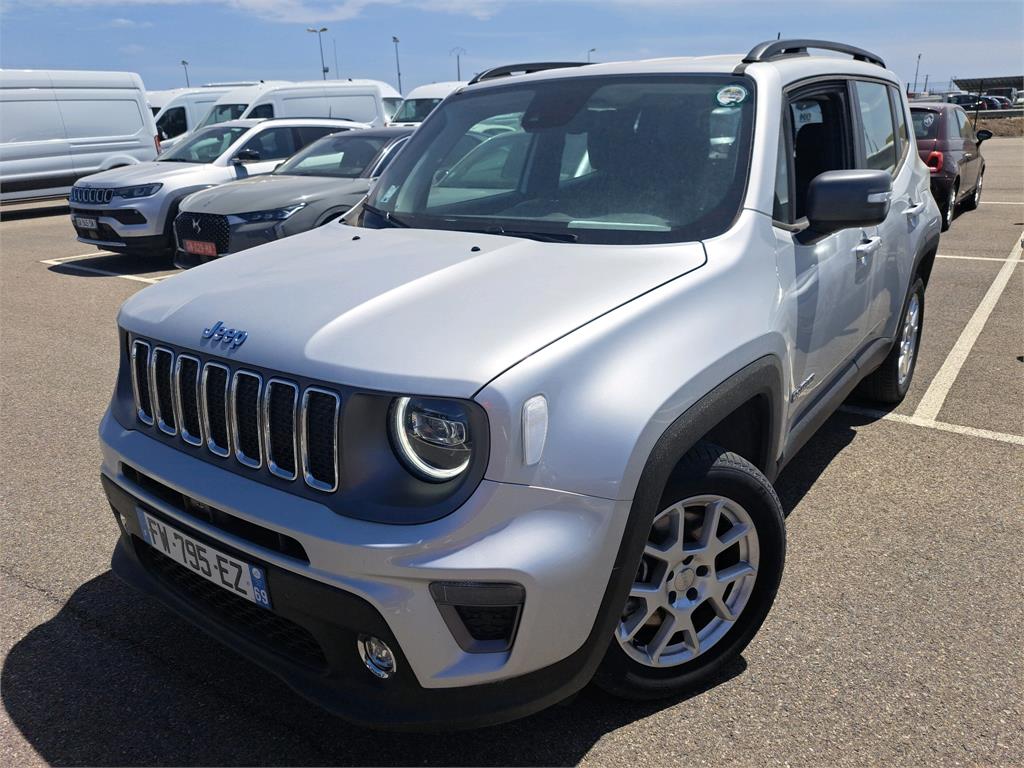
(543, 237)
(386, 215)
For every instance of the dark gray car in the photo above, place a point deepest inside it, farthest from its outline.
(312, 187)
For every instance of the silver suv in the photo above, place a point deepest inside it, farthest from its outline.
(518, 429)
(131, 209)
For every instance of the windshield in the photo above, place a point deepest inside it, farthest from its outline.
(345, 156)
(926, 123)
(415, 110)
(221, 113)
(205, 145)
(634, 159)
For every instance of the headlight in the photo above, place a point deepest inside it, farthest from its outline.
(144, 190)
(431, 436)
(277, 214)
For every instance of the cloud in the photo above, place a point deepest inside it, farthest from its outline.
(121, 23)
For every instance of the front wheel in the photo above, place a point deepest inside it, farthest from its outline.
(707, 578)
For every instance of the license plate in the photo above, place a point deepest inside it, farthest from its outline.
(227, 572)
(200, 247)
(85, 223)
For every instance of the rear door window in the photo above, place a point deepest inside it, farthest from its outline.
(272, 144)
(877, 129)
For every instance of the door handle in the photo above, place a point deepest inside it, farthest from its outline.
(914, 209)
(867, 247)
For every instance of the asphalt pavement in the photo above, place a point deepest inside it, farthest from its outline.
(896, 637)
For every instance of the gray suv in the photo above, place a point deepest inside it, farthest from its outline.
(518, 429)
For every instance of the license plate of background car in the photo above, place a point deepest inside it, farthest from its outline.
(241, 578)
(85, 223)
(200, 247)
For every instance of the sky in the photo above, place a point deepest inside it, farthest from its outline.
(229, 40)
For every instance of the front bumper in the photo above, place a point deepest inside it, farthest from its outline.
(128, 228)
(373, 578)
(233, 235)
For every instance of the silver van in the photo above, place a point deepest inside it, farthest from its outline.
(365, 101)
(58, 126)
(184, 111)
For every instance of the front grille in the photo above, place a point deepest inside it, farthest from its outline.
(206, 227)
(232, 414)
(244, 617)
(91, 196)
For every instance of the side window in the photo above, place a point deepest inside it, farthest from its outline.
(262, 111)
(820, 122)
(307, 134)
(272, 144)
(902, 132)
(172, 123)
(782, 210)
(966, 131)
(878, 133)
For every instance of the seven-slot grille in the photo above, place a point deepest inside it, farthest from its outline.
(91, 195)
(272, 423)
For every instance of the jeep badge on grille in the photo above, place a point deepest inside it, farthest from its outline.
(229, 336)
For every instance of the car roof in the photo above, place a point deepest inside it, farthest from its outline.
(787, 68)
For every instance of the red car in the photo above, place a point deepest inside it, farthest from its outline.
(951, 148)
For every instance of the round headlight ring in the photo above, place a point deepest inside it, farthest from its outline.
(406, 451)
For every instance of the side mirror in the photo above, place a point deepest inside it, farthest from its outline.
(983, 135)
(245, 156)
(847, 199)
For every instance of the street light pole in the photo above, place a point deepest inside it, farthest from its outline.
(592, 50)
(916, 70)
(185, 65)
(319, 38)
(398, 65)
(457, 52)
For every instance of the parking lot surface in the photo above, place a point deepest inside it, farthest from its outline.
(896, 637)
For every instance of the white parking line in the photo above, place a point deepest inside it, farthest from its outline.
(956, 429)
(92, 270)
(62, 259)
(937, 391)
(972, 258)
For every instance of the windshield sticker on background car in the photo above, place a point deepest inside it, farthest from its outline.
(389, 193)
(731, 94)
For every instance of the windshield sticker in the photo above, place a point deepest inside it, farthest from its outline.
(929, 118)
(731, 95)
(389, 194)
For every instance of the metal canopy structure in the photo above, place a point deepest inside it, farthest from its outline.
(975, 84)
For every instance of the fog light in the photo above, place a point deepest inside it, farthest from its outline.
(377, 656)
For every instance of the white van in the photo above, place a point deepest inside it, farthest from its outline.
(157, 99)
(363, 101)
(421, 101)
(184, 111)
(233, 103)
(57, 126)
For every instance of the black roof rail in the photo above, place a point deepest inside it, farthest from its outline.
(772, 49)
(523, 69)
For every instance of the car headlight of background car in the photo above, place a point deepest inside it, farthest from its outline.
(276, 214)
(431, 436)
(143, 190)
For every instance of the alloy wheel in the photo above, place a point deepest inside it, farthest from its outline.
(908, 339)
(977, 190)
(695, 578)
(951, 207)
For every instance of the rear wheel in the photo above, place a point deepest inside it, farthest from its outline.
(949, 207)
(707, 579)
(891, 381)
(975, 199)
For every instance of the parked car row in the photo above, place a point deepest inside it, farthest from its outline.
(972, 101)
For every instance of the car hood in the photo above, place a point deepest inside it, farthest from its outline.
(141, 173)
(400, 310)
(272, 191)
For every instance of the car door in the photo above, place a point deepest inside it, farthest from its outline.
(883, 144)
(826, 277)
(970, 161)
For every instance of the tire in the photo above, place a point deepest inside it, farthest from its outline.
(708, 478)
(890, 382)
(974, 200)
(948, 207)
